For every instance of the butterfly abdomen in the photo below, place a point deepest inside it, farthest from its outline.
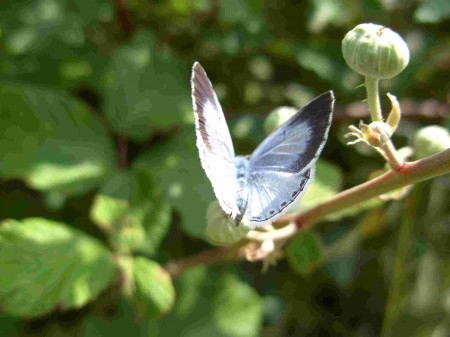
(242, 168)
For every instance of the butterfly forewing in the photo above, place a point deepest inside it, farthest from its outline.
(214, 141)
(281, 167)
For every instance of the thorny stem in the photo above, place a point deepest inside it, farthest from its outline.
(410, 173)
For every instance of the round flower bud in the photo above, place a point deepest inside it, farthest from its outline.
(277, 117)
(431, 140)
(375, 51)
(222, 230)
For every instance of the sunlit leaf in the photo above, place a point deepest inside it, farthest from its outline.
(328, 12)
(213, 304)
(237, 308)
(176, 166)
(129, 209)
(154, 294)
(145, 88)
(47, 265)
(52, 141)
(432, 11)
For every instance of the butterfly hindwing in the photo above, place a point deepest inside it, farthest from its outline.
(283, 164)
(214, 141)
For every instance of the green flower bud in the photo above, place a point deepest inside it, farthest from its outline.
(431, 140)
(277, 117)
(222, 230)
(376, 133)
(375, 51)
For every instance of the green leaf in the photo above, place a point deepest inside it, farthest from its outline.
(305, 252)
(213, 303)
(175, 164)
(237, 308)
(52, 141)
(129, 209)
(8, 326)
(119, 319)
(46, 265)
(432, 11)
(145, 88)
(322, 60)
(325, 12)
(155, 293)
(327, 182)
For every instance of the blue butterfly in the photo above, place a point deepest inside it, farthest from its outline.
(259, 188)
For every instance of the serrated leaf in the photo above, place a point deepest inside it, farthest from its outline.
(237, 309)
(52, 141)
(154, 292)
(176, 166)
(46, 265)
(130, 210)
(305, 252)
(119, 320)
(145, 88)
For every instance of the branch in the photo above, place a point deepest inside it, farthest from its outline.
(410, 173)
(207, 257)
(123, 17)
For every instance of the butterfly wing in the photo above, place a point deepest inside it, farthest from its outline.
(214, 141)
(283, 165)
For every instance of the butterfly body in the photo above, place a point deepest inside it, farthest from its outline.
(257, 189)
(242, 169)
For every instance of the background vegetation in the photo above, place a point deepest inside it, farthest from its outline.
(101, 185)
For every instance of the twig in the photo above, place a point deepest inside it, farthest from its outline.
(123, 18)
(410, 173)
(207, 257)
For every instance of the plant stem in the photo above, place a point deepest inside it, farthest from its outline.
(373, 98)
(391, 156)
(207, 257)
(405, 238)
(410, 173)
(123, 17)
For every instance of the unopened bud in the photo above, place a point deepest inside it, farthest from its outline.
(431, 140)
(375, 51)
(221, 229)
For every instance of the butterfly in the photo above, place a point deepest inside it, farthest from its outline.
(257, 189)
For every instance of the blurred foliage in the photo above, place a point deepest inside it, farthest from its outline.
(101, 183)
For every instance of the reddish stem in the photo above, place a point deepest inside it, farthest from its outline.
(123, 17)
